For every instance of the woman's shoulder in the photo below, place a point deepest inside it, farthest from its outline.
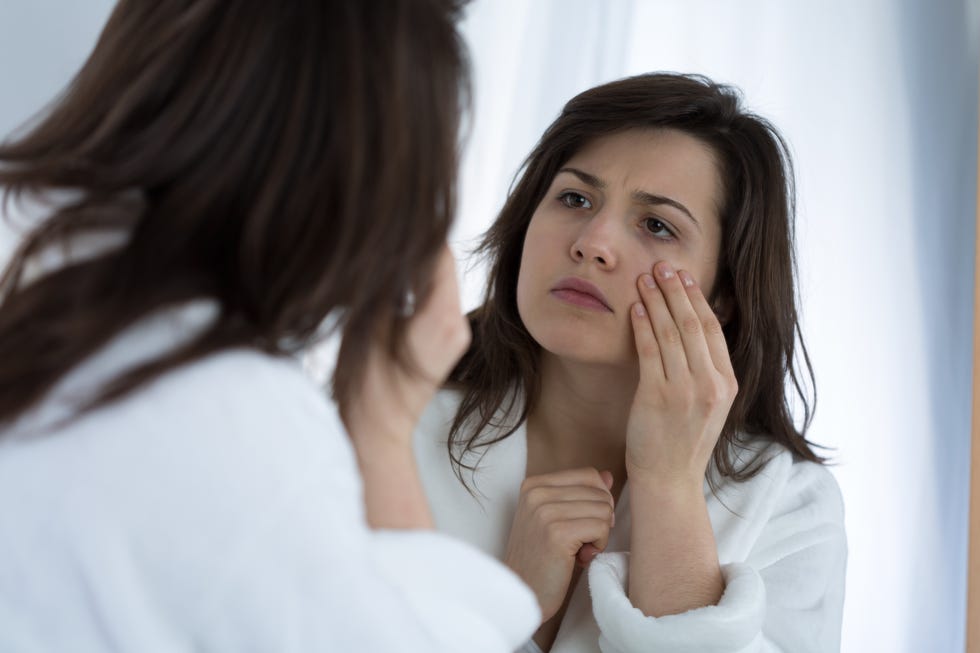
(239, 387)
(234, 430)
(244, 398)
(235, 399)
(790, 481)
(253, 380)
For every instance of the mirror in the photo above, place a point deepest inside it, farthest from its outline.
(878, 102)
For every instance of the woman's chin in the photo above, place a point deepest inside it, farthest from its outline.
(576, 342)
(584, 351)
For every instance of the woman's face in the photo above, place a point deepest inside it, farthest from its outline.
(620, 205)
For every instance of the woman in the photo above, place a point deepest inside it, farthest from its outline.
(625, 388)
(216, 182)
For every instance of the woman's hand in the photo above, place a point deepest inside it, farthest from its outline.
(382, 416)
(558, 515)
(686, 389)
(687, 384)
(438, 335)
(392, 397)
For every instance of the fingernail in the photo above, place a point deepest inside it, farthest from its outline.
(648, 281)
(639, 310)
(686, 278)
(666, 271)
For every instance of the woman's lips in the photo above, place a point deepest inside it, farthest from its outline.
(580, 292)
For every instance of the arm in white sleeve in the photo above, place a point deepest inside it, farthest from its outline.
(339, 586)
(787, 595)
(309, 575)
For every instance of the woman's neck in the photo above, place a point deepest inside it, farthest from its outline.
(579, 419)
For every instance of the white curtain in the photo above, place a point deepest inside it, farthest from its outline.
(878, 99)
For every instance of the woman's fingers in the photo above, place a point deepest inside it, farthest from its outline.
(607, 478)
(588, 551)
(438, 332)
(557, 515)
(574, 533)
(686, 325)
(542, 495)
(579, 476)
(568, 486)
(670, 345)
(560, 511)
(586, 554)
(647, 347)
(553, 500)
(688, 337)
(713, 333)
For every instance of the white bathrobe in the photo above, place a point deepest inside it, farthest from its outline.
(220, 509)
(780, 541)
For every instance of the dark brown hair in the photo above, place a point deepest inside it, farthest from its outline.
(755, 276)
(284, 158)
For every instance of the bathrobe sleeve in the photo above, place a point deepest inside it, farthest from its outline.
(221, 509)
(785, 595)
(315, 577)
(347, 588)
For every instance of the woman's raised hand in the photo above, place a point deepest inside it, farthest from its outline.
(382, 416)
(438, 335)
(558, 515)
(392, 397)
(687, 384)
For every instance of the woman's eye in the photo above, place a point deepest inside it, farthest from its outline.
(658, 228)
(574, 200)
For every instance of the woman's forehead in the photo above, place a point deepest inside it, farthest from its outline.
(658, 161)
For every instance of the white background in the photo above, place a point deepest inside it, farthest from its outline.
(878, 99)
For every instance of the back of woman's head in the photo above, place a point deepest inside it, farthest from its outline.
(754, 289)
(284, 158)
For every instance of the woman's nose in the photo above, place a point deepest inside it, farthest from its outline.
(595, 243)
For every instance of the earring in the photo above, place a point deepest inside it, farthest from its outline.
(406, 307)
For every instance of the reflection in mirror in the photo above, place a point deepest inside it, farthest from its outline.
(878, 105)
(621, 405)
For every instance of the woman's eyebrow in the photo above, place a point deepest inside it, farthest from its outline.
(640, 196)
(586, 178)
(644, 197)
